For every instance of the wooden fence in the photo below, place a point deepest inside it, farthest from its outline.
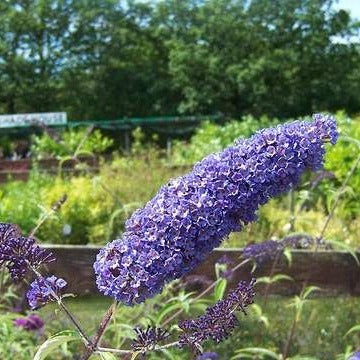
(336, 272)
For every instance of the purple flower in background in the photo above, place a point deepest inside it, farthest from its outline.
(44, 290)
(268, 250)
(18, 254)
(223, 263)
(264, 251)
(192, 214)
(31, 322)
(224, 260)
(219, 320)
(208, 356)
(355, 356)
(147, 339)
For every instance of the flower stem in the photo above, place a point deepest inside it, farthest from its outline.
(289, 339)
(125, 352)
(272, 271)
(100, 331)
(203, 293)
(87, 341)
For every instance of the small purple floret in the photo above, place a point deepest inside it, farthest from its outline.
(31, 322)
(44, 290)
(191, 215)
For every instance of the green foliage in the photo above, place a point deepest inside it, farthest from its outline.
(46, 146)
(96, 207)
(16, 343)
(6, 146)
(50, 345)
(341, 159)
(210, 137)
(108, 59)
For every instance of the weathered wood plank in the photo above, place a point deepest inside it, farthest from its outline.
(336, 272)
(20, 169)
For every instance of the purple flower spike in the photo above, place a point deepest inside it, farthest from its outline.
(219, 320)
(355, 356)
(31, 322)
(264, 251)
(44, 290)
(192, 214)
(21, 253)
(8, 231)
(268, 250)
(208, 356)
(147, 340)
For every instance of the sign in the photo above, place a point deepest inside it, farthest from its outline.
(26, 120)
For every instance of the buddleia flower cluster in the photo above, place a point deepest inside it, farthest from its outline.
(44, 290)
(19, 253)
(219, 320)
(268, 250)
(192, 214)
(146, 340)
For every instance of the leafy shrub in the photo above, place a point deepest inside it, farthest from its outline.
(210, 137)
(341, 160)
(19, 344)
(96, 207)
(6, 146)
(44, 146)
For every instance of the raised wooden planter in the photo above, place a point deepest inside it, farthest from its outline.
(19, 169)
(336, 272)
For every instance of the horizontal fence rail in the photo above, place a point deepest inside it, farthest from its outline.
(335, 272)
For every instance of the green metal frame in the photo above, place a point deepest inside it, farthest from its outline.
(164, 124)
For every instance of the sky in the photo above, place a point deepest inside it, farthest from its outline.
(352, 5)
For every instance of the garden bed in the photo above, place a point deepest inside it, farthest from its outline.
(20, 169)
(335, 272)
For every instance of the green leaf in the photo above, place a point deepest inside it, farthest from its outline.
(352, 330)
(168, 308)
(273, 279)
(219, 290)
(308, 291)
(288, 255)
(256, 351)
(107, 356)
(54, 342)
(347, 248)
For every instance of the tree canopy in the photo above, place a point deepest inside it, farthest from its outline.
(105, 59)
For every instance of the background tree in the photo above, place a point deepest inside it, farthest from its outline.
(101, 59)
